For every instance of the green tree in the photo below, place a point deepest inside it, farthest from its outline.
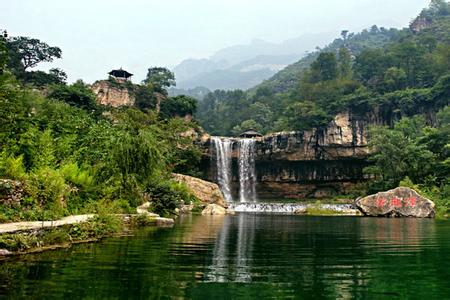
(144, 96)
(439, 8)
(306, 115)
(41, 79)
(344, 34)
(3, 50)
(394, 79)
(345, 63)
(25, 53)
(247, 125)
(438, 142)
(400, 152)
(262, 114)
(324, 68)
(178, 106)
(409, 57)
(370, 67)
(160, 79)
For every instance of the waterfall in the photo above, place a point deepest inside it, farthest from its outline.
(246, 163)
(224, 148)
(247, 172)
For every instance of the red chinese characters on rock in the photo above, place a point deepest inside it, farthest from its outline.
(397, 202)
(381, 202)
(411, 201)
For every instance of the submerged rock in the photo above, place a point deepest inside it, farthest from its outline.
(399, 202)
(164, 222)
(207, 192)
(214, 209)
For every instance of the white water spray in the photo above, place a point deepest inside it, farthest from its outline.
(224, 148)
(247, 172)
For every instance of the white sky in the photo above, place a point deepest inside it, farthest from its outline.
(99, 35)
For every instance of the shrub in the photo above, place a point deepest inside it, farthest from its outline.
(12, 167)
(48, 187)
(167, 196)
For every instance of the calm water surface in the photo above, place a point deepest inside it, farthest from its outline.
(246, 256)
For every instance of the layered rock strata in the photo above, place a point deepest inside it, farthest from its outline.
(318, 163)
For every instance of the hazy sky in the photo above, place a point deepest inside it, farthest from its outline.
(98, 35)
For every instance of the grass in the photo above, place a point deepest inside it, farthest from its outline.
(319, 211)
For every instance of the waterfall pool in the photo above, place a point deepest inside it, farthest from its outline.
(246, 256)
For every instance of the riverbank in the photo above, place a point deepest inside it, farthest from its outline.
(31, 237)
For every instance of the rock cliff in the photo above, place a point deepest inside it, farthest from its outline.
(317, 163)
(113, 94)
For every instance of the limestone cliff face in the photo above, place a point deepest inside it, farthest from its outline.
(344, 138)
(316, 163)
(112, 94)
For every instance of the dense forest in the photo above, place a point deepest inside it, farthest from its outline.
(403, 74)
(69, 155)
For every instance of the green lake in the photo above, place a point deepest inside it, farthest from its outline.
(246, 256)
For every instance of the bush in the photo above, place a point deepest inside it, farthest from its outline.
(12, 167)
(166, 197)
(78, 95)
(49, 188)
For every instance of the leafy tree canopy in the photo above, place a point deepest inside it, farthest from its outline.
(160, 79)
(28, 52)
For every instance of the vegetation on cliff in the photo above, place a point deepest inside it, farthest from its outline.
(73, 156)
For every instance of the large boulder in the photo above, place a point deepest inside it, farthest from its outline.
(399, 202)
(164, 222)
(207, 192)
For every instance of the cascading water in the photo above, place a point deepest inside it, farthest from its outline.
(246, 162)
(247, 171)
(224, 148)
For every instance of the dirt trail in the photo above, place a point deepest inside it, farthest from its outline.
(18, 226)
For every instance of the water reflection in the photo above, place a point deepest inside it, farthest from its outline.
(246, 256)
(224, 268)
(325, 256)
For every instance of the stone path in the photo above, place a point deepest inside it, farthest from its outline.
(18, 226)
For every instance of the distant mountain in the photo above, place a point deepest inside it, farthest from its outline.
(243, 75)
(244, 66)
(288, 78)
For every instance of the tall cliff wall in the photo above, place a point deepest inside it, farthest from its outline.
(317, 163)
